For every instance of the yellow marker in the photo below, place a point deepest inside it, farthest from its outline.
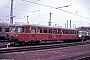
(7, 45)
(82, 40)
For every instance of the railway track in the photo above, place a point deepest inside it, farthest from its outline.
(4, 44)
(41, 47)
(4, 40)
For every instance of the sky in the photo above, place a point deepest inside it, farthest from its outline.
(38, 11)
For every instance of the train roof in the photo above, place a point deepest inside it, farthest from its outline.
(36, 25)
(4, 24)
(83, 28)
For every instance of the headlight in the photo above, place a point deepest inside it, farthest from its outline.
(80, 35)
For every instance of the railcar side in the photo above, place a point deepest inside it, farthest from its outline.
(84, 35)
(32, 33)
(4, 29)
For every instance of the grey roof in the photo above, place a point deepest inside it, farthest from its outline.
(23, 24)
(5, 24)
(87, 28)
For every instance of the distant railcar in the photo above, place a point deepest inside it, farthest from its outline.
(36, 33)
(4, 28)
(84, 35)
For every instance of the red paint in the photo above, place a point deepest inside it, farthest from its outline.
(27, 35)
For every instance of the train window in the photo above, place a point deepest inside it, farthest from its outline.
(6, 29)
(39, 30)
(45, 30)
(13, 29)
(66, 31)
(0, 29)
(27, 29)
(17, 29)
(22, 29)
(85, 33)
(88, 33)
(74, 32)
(70, 31)
(50, 30)
(80, 33)
(58, 31)
(63, 32)
(33, 30)
(55, 31)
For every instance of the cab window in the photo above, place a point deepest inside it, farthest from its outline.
(12, 29)
(17, 29)
(6, 29)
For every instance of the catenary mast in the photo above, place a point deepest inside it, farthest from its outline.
(11, 13)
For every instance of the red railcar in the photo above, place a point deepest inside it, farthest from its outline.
(37, 33)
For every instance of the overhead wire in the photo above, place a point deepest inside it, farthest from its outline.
(55, 8)
(16, 9)
(80, 4)
(45, 6)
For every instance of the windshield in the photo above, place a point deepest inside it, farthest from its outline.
(12, 29)
(15, 29)
(6, 29)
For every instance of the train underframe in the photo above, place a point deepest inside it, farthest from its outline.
(30, 42)
(84, 38)
(2, 38)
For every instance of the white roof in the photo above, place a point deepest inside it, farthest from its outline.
(24, 24)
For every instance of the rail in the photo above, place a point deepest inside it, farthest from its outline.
(42, 47)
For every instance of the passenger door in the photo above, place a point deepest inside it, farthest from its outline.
(27, 33)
